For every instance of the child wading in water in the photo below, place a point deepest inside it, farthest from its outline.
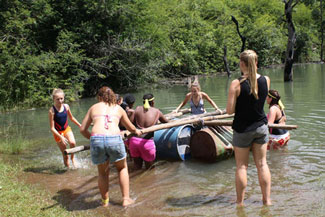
(58, 116)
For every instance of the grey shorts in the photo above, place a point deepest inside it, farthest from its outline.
(246, 139)
(103, 148)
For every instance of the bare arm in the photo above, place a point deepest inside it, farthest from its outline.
(272, 115)
(71, 117)
(162, 118)
(268, 81)
(233, 93)
(127, 123)
(85, 125)
(206, 96)
(131, 115)
(187, 98)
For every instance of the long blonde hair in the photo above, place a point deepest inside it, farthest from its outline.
(249, 58)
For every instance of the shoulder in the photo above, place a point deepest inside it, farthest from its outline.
(51, 110)
(138, 108)
(204, 95)
(66, 106)
(234, 84)
(274, 109)
(188, 95)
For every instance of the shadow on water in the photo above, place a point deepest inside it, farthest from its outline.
(46, 170)
(199, 200)
(74, 201)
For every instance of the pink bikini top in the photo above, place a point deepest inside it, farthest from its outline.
(108, 118)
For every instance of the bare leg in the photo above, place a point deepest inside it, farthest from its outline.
(103, 179)
(137, 162)
(241, 156)
(62, 147)
(122, 168)
(264, 175)
(72, 143)
(149, 164)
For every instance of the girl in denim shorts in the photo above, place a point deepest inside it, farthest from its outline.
(106, 144)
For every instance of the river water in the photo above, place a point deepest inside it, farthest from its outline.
(193, 188)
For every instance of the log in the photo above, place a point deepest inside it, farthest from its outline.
(229, 123)
(180, 113)
(202, 115)
(76, 149)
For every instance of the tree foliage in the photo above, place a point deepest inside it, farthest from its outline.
(79, 45)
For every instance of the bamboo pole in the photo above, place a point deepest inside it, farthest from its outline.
(229, 123)
(203, 115)
(180, 113)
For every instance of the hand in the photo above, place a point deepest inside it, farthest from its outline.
(219, 110)
(64, 140)
(138, 132)
(175, 111)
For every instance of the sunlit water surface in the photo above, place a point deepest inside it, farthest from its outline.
(193, 188)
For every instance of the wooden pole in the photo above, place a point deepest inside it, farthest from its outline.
(76, 149)
(203, 115)
(180, 113)
(229, 123)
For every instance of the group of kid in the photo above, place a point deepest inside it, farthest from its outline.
(112, 113)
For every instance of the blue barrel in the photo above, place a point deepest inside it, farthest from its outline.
(173, 143)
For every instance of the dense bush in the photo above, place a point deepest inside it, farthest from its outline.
(79, 45)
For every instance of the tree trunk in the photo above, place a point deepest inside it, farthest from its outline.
(321, 30)
(291, 40)
(225, 61)
(243, 38)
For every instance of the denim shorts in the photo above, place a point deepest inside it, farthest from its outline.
(244, 140)
(105, 147)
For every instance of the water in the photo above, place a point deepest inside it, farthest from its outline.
(193, 188)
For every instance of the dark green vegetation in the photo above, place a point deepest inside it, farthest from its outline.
(78, 45)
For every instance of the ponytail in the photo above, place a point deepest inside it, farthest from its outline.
(249, 57)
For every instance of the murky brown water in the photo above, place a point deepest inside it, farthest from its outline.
(193, 188)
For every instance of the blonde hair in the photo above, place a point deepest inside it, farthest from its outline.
(249, 58)
(195, 84)
(56, 91)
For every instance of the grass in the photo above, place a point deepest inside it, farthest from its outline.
(12, 140)
(16, 197)
(19, 199)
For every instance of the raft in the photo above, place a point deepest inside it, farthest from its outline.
(212, 144)
(173, 143)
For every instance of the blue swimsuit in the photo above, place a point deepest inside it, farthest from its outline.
(197, 109)
(60, 119)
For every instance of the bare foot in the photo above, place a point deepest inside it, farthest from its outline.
(267, 203)
(127, 201)
(240, 205)
(105, 202)
(73, 164)
(66, 164)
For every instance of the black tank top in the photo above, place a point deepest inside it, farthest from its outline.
(249, 112)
